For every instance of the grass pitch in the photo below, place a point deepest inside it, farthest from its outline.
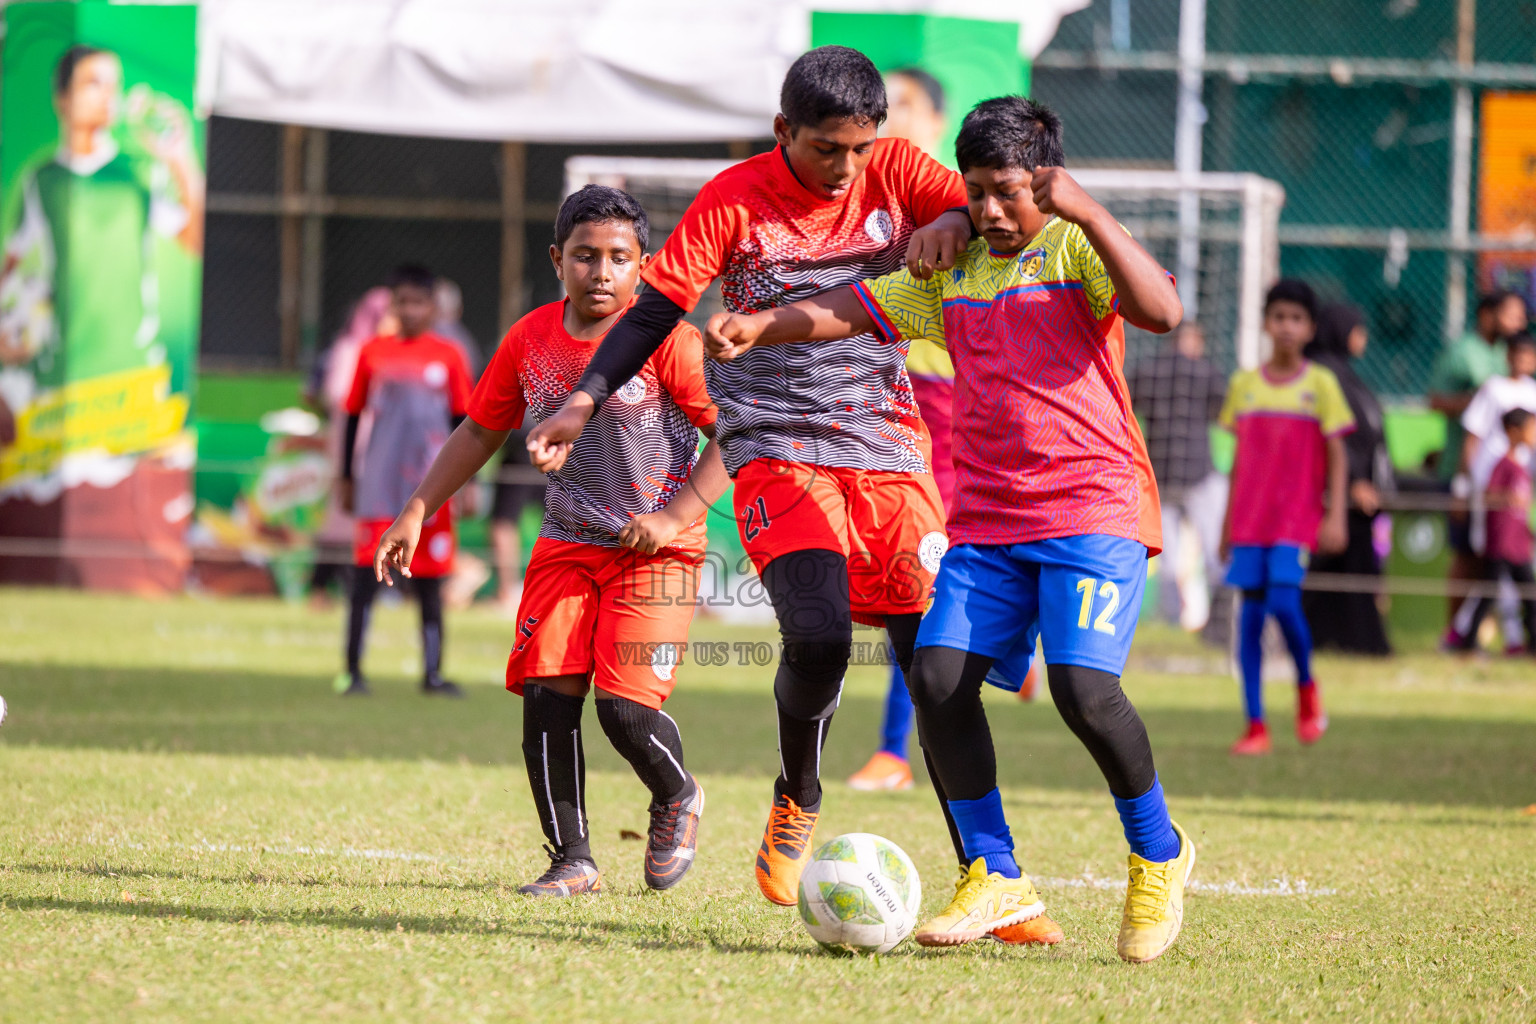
(192, 827)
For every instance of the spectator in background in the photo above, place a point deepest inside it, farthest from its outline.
(1486, 443)
(450, 325)
(1178, 393)
(916, 111)
(1461, 369)
(1508, 543)
(1348, 621)
(509, 498)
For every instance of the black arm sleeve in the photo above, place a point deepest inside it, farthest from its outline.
(633, 340)
(348, 446)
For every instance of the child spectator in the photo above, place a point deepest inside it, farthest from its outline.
(1507, 549)
(1290, 418)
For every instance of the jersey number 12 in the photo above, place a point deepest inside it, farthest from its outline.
(1111, 594)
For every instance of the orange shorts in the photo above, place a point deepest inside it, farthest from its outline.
(890, 527)
(434, 551)
(614, 615)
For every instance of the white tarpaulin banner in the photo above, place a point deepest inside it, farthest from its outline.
(540, 71)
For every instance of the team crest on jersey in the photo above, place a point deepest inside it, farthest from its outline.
(931, 550)
(633, 392)
(664, 660)
(1031, 263)
(879, 226)
(435, 374)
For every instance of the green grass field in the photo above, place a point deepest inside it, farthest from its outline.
(193, 828)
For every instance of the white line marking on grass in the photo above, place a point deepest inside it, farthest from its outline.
(299, 851)
(1276, 887)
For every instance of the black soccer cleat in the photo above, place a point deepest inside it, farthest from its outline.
(674, 838)
(438, 687)
(565, 878)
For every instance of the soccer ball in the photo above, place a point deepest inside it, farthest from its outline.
(859, 894)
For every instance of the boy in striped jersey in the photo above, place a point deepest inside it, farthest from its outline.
(1055, 508)
(610, 588)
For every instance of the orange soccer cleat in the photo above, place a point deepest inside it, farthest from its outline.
(786, 847)
(1039, 931)
(1255, 741)
(883, 771)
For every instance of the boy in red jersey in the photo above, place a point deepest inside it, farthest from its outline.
(1507, 545)
(834, 498)
(1289, 478)
(1055, 506)
(416, 385)
(610, 587)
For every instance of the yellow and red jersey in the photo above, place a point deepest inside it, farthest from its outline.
(1045, 442)
(638, 450)
(771, 241)
(1280, 470)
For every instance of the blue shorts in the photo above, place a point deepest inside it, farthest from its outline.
(1254, 568)
(1079, 595)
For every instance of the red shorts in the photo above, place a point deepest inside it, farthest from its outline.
(434, 551)
(936, 401)
(890, 526)
(613, 615)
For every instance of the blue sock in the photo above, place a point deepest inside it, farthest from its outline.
(1250, 655)
(984, 832)
(1284, 603)
(898, 715)
(1146, 824)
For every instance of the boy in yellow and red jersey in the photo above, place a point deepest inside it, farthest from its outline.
(834, 499)
(611, 584)
(1055, 509)
(1289, 476)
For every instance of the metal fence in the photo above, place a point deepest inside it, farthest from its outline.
(1366, 111)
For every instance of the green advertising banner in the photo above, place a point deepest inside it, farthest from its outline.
(101, 210)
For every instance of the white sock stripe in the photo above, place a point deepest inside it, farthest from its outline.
(663, 748)
(820, 724)
(778, 730)
(554, 819)
(675, 728)
(576, 749)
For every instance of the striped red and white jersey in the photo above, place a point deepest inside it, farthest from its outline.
(771, 241)
(633, 456)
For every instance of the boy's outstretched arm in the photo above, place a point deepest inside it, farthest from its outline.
(469, 447)
(704, 486)
(829, 316)
(1333, 535)
(1147, 297)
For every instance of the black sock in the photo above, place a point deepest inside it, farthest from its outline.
(649, 740)
(429, 594)
(557, 769)
(949, 817)
(359, 610)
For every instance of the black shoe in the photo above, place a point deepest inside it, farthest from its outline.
(435, 687)
(565, 878)
(674, 838)
(356, 686)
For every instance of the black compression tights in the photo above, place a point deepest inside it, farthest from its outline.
(946, 692)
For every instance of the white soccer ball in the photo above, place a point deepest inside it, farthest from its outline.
(2, 710)
(860, 894)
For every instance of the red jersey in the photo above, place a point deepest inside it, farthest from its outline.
(414, 387)
(772, 241)
(1509, 511)
(635, 453)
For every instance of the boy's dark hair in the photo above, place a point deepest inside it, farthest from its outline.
(1521, 340)
(835, 82)
(1491, 302)
(1009, 131)
(601, 204)
(1291, 289)
(1516, 419)
(411, 275)
(925, 82)
(64, 70)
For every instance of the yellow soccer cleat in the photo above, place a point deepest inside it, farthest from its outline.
(1154, 903)
(983, 902)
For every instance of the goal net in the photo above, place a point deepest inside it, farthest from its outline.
(1221, 230)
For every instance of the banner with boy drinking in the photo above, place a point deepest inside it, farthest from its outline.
(101, 215)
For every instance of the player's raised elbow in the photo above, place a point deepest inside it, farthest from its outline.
(1159, 316)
